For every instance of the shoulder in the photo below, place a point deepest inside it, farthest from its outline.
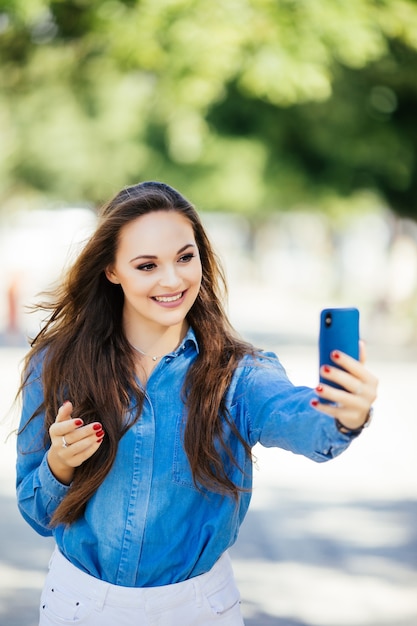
(259, 370)
(260, 361)
(34, 364)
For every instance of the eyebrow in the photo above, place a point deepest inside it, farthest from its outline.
(153, 256)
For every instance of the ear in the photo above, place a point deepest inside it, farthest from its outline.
(111, 275)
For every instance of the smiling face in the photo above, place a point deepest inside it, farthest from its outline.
(158, 267)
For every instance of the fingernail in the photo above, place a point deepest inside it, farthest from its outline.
(336, 355)
(78, 422)
(314, 402)
(326, 369)
(65, 402)
(97, 427)
(319, 388)
(100, 434)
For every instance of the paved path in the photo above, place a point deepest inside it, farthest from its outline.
(323, 545)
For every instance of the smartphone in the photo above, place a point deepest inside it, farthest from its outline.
(339, 330)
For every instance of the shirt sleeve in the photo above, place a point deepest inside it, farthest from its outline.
(278, 413)
(38, 492)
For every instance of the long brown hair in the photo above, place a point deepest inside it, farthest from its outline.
(87, 359)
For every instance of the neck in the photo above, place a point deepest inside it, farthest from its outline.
(154, 357)
(155, 346)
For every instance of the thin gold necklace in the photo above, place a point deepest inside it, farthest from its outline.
(154, 358)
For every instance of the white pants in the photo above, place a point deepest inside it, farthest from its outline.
(71, 596)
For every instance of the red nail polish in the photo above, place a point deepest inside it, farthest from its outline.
(326, 369)
(78, 422)
(336, 355)
(100, 434)
(97, 427)
(314, 403)
(319, 388)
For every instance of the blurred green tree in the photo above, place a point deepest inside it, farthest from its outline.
(245, 105)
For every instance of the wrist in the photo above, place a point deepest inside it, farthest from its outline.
(345, 430)
(63, 473)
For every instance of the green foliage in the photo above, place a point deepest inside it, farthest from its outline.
(245, 105)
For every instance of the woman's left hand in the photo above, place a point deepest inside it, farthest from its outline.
(350, 405)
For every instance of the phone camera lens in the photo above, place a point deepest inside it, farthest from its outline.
(328, 319)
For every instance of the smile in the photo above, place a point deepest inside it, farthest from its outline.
(169, 298)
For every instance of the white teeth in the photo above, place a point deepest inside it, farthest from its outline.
(168, 298)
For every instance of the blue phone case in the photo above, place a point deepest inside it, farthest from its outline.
(339, 330)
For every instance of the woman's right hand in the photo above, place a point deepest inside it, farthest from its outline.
(72, 443)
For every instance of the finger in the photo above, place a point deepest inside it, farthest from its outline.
(345, 363)
(354, 377)
(64, 412)
(81, 450)
(353, 384)
(350, 418)
(348, 363)
(64, 423)
(342, 398)
(362, 351)
(73, 431)
(349, 409)
(354, 393)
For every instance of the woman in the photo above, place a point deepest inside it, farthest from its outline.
(140, 409)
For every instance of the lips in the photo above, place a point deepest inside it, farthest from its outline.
(169, 299)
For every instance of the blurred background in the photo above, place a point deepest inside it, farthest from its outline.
(291, 124)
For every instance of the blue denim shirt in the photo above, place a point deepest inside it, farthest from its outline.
(147, 524)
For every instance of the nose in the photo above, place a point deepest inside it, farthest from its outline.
(170, 278)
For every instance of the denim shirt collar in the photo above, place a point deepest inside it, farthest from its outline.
(189, 340)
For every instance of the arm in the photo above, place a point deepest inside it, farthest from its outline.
(279, 414)
(44, 471)
(38, 491)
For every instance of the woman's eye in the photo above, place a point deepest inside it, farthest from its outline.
(186, 258)
(146, 267)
